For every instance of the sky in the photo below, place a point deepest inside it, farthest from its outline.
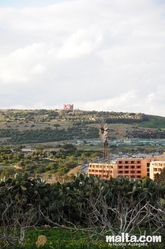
(103, 55)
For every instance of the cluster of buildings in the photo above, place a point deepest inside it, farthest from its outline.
(132, 167)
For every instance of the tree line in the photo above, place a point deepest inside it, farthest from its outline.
(48, 134)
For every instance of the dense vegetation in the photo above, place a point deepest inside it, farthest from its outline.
(43, 160)
(86, 204)
(38, 126)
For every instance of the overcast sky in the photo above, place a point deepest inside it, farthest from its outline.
(105, 55)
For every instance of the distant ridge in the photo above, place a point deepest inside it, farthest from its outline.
(44, 125)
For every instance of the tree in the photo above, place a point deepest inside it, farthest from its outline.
(160, 177)
(15, 220)
(20, 200)
(70, 148)
(127, 215)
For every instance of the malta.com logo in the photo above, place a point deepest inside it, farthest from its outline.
(132, 240)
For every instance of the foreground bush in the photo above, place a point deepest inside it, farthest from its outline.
(85, 204)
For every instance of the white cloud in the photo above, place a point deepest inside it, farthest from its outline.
(19, 65)
(114, 103)
(80, 43)
(93, 53)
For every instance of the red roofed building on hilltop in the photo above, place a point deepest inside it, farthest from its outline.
(68, 107)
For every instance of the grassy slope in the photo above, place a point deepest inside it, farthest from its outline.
(22, 120)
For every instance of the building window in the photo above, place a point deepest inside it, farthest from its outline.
(126, 162)
(138, 167)
(109, 171)
(133, 166)
(120, 162)
(120, 172)
(138, 161)
(120, 167)
(132, 162)
(126, 171)
(126, 167)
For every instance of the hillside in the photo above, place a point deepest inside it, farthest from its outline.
(38, 126)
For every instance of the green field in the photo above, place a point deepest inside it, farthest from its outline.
(59, 238)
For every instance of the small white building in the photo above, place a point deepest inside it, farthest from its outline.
(27, 150)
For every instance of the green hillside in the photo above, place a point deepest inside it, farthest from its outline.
(38, 126)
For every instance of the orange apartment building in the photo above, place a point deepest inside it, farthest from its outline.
(133, 167)
(103, 170)
(128, 167)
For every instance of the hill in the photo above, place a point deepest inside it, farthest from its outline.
(43, 126)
